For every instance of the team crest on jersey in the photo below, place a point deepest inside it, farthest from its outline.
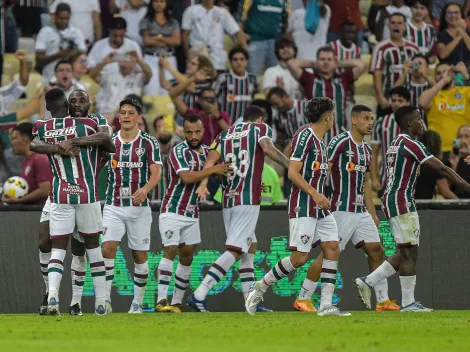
(168, 234)
(125, 152)
(28, 170)
(140, 151)
(304, 239)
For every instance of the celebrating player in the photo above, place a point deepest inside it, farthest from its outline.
(179, 214)
(403, 159)
(310, 221)
(134, 171)
(351, 202)
(244, 146)
(74, 190)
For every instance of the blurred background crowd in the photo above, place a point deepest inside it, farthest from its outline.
(214, 58)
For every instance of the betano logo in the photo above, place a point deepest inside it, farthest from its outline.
(353, 167)
(445, 106)
(126, 164)
(317, 166)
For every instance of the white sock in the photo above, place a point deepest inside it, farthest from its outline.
(408, 284)
(216, 272)
(384, 271)
(109, 265)
(307, 290)
(182, 275)
(246, 272)
(165, 270)
(78, 269)
(55, 270)
(98, 273)
(328, 280)
(141, 274)
(381, 291)
(44, 263)
(280, 270)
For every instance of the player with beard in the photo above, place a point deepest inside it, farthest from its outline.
(179, 214)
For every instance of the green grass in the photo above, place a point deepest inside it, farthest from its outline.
(364, 331)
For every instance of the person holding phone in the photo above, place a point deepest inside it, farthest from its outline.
(460, 150)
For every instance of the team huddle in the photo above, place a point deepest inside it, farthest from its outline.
(79, 145)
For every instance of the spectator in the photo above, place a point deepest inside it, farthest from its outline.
(164, 135)
(57, 42)
(429, 178)
(453, 41)
(64, 78)
(85, 17)
(383, 16)
(460, 151)
(35, 169)
(308, 44)
(387, 60)
(143, 125)
(263, 21)
(28, 16)
(384, 130)
(236, 89)
(132, 11)
(161, 34)
(115, 86)
(419, 32)
(203, 32)
(345, 48)
(280, 76)
(116, 43)
(80, 69)
(447, 105)
(345, 11)
(13, 91)
(437, 8)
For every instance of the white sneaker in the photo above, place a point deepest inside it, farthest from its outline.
(135, 308)
(330, 311)
(109, 308)
(255, 297)
(364, 291)
(416, 307)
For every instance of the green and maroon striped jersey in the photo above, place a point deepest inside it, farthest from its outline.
(239, 145)
(384, 130)
(309, 150)
(351, 162)
(234, 93)
(424, 38)
(181, 198)
(129, 168)
(416, 90)
(404, 157)
(74, 177)
(289, 122)
(343, 53)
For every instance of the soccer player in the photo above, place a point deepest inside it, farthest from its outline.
(351, 202)
(403, 160)
(310, 221)
(72, 146)
(134, 171)
(179, 213)
(244, 146)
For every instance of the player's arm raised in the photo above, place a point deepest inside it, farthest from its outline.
(211, 160)
(368, 199)
(273, 153)
(448, 173)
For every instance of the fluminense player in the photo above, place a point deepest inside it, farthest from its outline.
(349, 160)
(179, 213)
(310, 221)
(403, 160)
(74, 200)
(244, 146)
(134, 171)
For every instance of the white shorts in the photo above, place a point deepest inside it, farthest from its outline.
(240, 225)
(133, 221)
(178, 230)
(359, 228)
(46, 211)
(405, 229)
(306, 233)
(86, 218)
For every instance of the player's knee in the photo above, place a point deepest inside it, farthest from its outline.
(331, 250)
(45, 245)
(92, 242)
(170, 252)
(108, 251)
(186, 259)
(298, 259)
(140, 257)
(375, 251)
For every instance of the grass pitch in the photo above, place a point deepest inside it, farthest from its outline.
(363, 331)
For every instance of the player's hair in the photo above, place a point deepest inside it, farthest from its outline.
(358, 109)
(432, 141)
(316, 107)
(443, 22)
(25, 129)
(403, 114)
(264, 104)
(205, 62)
(280, 92)
(62, 62)
(132, 102)
(56, 101)
(282, 43)
(326, 49)
(398, 14)
(401, 92)
(253, 113)
(238, 50)
(421, 56)
(458, 131)
(412, 3)
(118, 22)
(144, 121)
(192, 118)
(63, 7)
(135, 97)
(206, 89)
(154, 123)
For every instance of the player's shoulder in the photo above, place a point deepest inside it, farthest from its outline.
(180, 146)
(410, 44)
(148, 137)
(340, 138)
(304, 132)
(40, 123)
(367, 146)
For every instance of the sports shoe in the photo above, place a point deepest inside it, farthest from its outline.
(364, 291)
(261, 309)
(330, 311)
(43, 307)
(109, 308)
(163, 307)
(100, 310)
(416, 307)
(198, 306)
(388, 305)
(254, 298)
(75, 310)
(135, 308)
(304, 305)
(53, 306)
(176, 308)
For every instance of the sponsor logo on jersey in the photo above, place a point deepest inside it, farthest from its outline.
(393, 150)
(146, 240)
(236, 135)
(124, 193)
(445, 106)
(297, 209)
(140, 151)
(60, 132)
(73, 189)
(353, 167)
(350, 153)
(233, 194)
(192, 163)
(125, 152)
(191, 208)
(231, 98)
(270, 8)
(319, 166)
(126, 164)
